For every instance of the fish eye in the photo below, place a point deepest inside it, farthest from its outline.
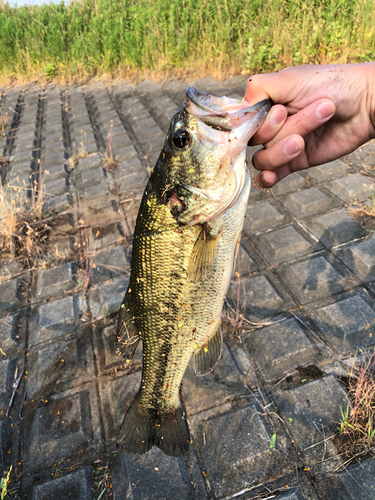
(181, 138)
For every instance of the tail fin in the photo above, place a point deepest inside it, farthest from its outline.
(144, 428)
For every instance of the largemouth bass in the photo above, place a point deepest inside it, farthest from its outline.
(186, 237)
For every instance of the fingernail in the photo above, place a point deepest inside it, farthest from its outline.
(325, 110)
(276, 116)
(291, 147)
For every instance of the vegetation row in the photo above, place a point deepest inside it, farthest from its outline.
(89, 37)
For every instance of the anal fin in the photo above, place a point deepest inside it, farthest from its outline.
(203, 256)
(206, 357)
(127, 336)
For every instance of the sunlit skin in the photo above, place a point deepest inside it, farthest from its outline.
(321, 113)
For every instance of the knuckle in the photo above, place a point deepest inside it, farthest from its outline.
(266, 159)
(258, 160)
(255, 161)
(259, 138)
(303, 123)
(274, 161)
(304, 127)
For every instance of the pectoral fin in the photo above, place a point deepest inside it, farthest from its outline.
(127, 336)
(203, 256)
(206, 357)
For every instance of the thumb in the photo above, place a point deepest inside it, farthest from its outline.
(281, 87)
(260, 87)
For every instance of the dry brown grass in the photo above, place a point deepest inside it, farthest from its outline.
(364, 212)
(28, 237)
(74, 159)
(188, 73)
(357, 426)
(86, 264)
(3, 161)
(4, 125)
(365, 209)
(23, 230)
(110, 161)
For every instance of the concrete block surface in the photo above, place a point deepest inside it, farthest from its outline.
(299, 311)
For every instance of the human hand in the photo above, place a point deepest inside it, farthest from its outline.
(321, 113)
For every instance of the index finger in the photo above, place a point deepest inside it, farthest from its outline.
(306, 120)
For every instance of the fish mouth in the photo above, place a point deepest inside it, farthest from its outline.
(224, 125)
(224, 113)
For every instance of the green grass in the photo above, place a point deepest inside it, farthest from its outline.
(120, 37)
(357, 425)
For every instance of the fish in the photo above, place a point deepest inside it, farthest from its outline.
(186, 238)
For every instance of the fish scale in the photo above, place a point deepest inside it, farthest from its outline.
(165, 313)
(161, 289)
(184, 249)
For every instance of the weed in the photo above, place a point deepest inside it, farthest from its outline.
(4, 125)
(236, 313)
(249, 53)
(237, 322)
(4, 484)
(110, 164)
(110, 161)
(83, 153)
(24, 231)
(115, 188)
(273, 441)
(82, 38)
(86, 264)
(345, 420)
(51, 71)
(102, 481)
(364, 212)
(74, 158)
(357, 426)
(367, 208)
(3, 161)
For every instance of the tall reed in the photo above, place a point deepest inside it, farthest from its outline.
(89, 37)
